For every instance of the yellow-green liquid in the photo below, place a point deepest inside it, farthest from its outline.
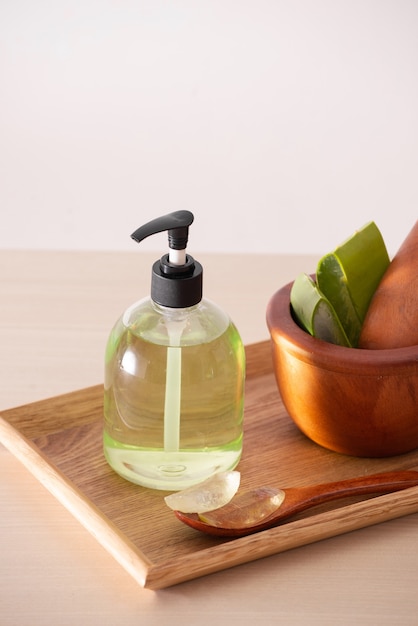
(210, 413)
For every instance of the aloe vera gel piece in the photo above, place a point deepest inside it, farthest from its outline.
(349, 276)
(315, 313)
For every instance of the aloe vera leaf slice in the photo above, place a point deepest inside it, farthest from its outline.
(314, 313)
(349, 276)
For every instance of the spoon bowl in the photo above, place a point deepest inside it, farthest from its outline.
(266, 507)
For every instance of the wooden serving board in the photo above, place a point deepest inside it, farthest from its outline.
(60, 441)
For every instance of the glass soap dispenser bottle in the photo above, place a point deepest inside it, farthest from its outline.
(174, 376)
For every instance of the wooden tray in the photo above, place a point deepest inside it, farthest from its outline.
(60, 441)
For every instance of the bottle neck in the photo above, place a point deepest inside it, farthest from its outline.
(172, 313)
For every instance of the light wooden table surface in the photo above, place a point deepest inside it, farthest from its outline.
(56, 311)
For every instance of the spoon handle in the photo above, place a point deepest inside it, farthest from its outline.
(301, 498)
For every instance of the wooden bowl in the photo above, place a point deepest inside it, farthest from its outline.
(353, 401)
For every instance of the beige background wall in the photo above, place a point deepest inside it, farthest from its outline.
(284, 125)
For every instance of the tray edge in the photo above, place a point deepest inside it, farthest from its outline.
(82, 509)
(286, 537)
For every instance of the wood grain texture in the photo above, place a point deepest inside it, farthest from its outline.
(60, 441)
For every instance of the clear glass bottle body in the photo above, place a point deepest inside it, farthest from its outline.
(174, 395)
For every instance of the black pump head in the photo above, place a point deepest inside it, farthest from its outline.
(176, 223)
(176, 278)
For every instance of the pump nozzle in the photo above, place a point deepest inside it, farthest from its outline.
(176, 278)
(176, 223)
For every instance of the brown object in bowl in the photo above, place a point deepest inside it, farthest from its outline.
(392, 317)
(353, 401)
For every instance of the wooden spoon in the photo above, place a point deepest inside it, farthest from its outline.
(265, 507)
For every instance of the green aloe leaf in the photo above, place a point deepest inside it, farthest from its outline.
(314, 312)
(349, 276)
